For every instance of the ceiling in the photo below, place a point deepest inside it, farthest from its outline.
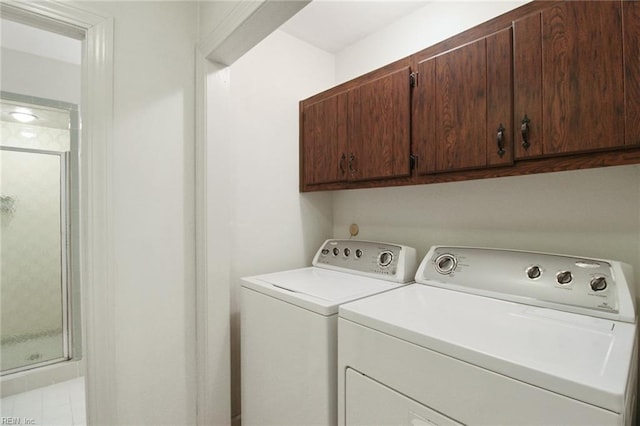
(332, 25)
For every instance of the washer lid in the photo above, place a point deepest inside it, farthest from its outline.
(317, 289)
(582, 357)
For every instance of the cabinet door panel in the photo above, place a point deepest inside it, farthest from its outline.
(461, 109)
(325, 138)
(424, 118)
(463, 97)
(527, 85)
(380, 121)
(631, 14)
(569, 69)
(500, 98)
(583, 94)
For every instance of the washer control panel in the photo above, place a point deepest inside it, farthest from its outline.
(598, 287)
(391, 262)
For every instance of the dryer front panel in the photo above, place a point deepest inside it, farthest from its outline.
(456, 389)
(372, 403)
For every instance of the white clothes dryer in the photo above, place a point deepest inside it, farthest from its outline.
(493, 337)
(289, 329)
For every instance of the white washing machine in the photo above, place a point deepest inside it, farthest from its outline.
(289, 329)
(493, 337)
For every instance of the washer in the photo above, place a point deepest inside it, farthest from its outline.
(493, 337)
(289, 329)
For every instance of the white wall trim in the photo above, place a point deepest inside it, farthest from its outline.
(202, 384)
(246, 24)
(96, 243)
(237, 15)
(99, 289)
(213, 401)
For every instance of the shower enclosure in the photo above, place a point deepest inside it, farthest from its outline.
(39, 295)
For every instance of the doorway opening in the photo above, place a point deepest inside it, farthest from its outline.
(39, 283)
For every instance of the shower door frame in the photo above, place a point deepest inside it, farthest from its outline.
(65, 254)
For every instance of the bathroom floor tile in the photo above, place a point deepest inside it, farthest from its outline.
(59, 404)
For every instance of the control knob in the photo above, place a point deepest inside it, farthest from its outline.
(446, 263)
(534, 272)
(598, 283)
(385, 258)
(564, 277)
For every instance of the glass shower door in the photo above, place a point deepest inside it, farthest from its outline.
(34, 264)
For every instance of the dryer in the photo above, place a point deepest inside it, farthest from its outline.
(289, 329)
(488, 337)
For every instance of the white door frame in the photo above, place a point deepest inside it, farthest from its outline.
(96, 245)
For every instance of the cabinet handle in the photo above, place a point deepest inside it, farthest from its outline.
(352, 159)
(500, 140)
(342, 160)
(524, 129)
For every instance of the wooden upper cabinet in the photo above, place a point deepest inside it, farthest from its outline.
(380, 127)
(324, 132)
(631, 25)
(549, 86)
(570, 62)
(358, 132)
(463, 107)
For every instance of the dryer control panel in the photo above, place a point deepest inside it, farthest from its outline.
(602, 288)
(391, 262)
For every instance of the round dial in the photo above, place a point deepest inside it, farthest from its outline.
(336, 251)
(564, 277)
(598, 283)
(446, 263)
(534, 272)
(385, 258)
(358, 253)
(347, 251)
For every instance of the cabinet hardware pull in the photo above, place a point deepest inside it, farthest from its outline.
(352, 159)
(500, 140)
(524, 129)
(342, 160)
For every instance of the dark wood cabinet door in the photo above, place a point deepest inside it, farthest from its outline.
(569, 79)
(461, 104)
(324, 137)
(631, 25)
(379, 127)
